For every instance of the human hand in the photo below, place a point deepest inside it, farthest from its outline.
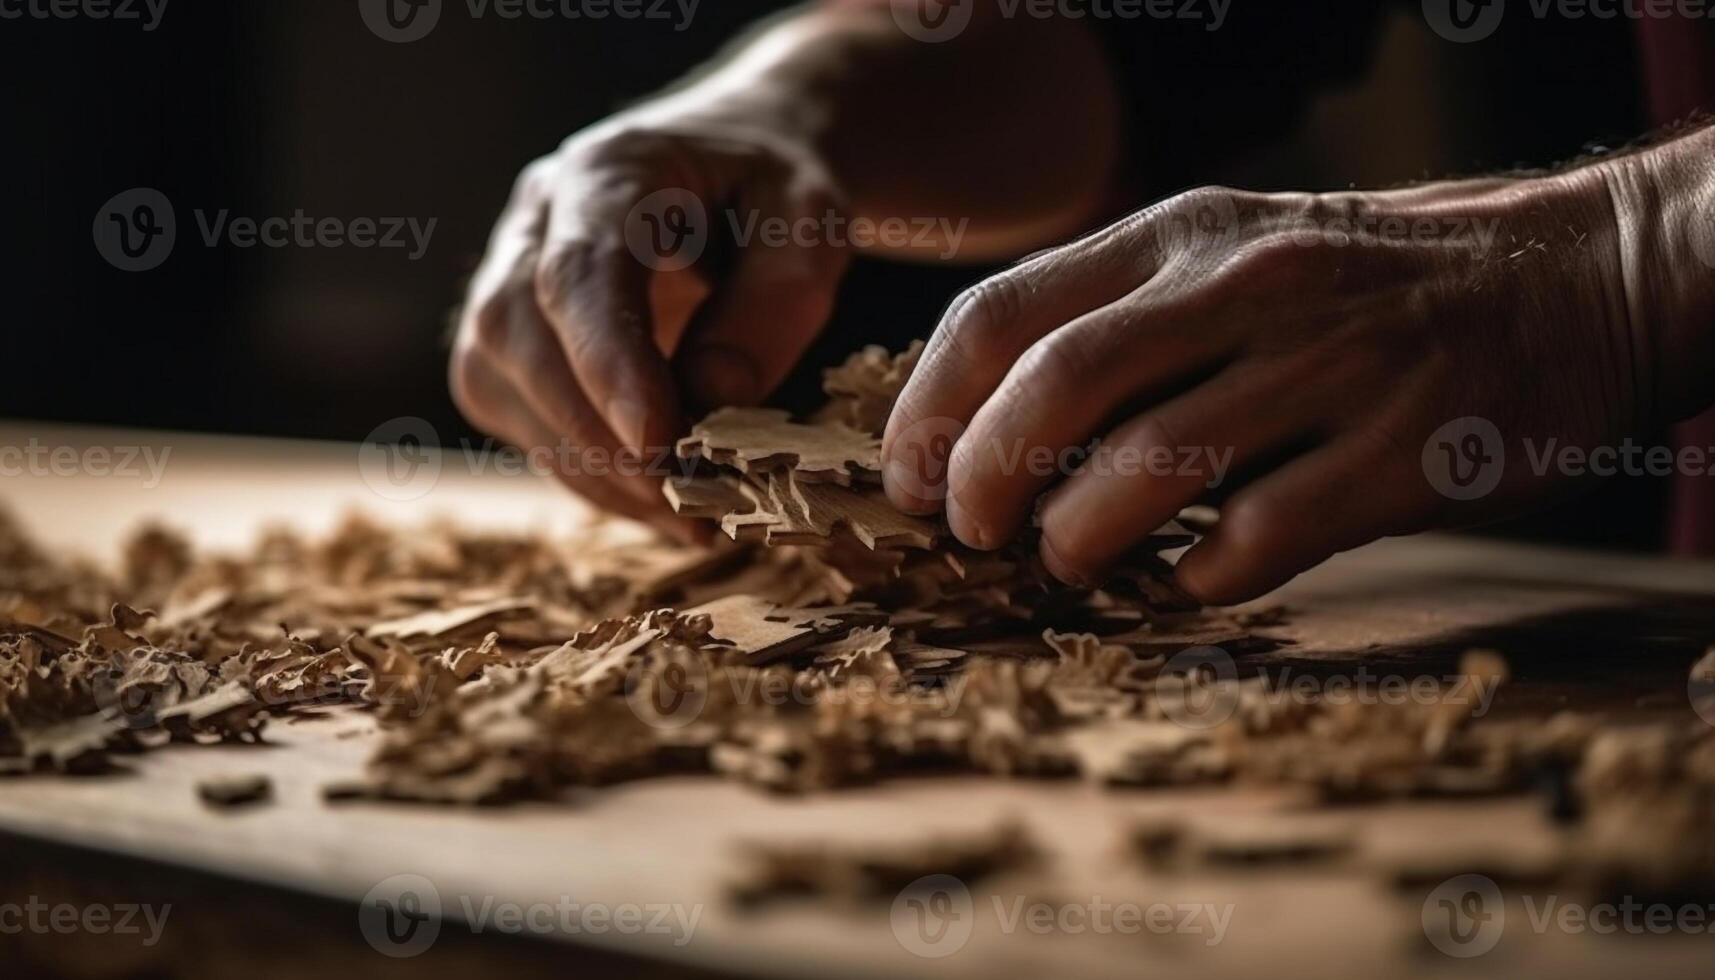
(590, 323)
(1321, 344)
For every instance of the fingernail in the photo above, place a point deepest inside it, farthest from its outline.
(722, 376)
(969, 530)
(916, 466)
(1059, 568)
(627, 417)
(907, 489)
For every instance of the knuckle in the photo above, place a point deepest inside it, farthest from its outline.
(563, 271)
(977, 328)
(465, 374)
(490, 324)
(1069, 356)
(627, 146)
(1207, 195)
(1268, 261)
(1153, 432)
(535, 181)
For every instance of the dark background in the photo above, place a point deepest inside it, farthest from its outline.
(263, 107)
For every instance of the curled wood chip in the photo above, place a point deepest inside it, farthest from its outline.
(439, 622)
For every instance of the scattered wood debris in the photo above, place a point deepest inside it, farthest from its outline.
(229, 792)
(833, 643)
(877, 872)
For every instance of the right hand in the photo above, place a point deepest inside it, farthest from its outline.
(577, 346)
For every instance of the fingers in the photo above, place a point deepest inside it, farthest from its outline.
(488, 397)
(983, 333)
(595, 295)
(1164, 460)
(1356, 489)
(748, 335)
(1058, 396)
(505, 331)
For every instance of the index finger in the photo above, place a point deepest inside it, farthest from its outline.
(595, 294)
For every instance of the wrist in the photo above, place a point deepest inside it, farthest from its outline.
(1664, 210)
(783, 80)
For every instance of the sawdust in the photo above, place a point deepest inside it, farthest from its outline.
(834, 643)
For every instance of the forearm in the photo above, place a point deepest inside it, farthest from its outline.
(1664, 199)
(975, 130)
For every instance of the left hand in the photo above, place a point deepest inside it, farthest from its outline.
(1318, 343)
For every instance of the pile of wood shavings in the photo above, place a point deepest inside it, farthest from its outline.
(832, 642)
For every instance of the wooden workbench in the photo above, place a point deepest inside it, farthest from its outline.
(277, 887)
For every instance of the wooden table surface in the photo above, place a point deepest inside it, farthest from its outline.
(1598, 632)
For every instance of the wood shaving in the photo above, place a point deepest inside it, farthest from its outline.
(876, 872)
(508, 667)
